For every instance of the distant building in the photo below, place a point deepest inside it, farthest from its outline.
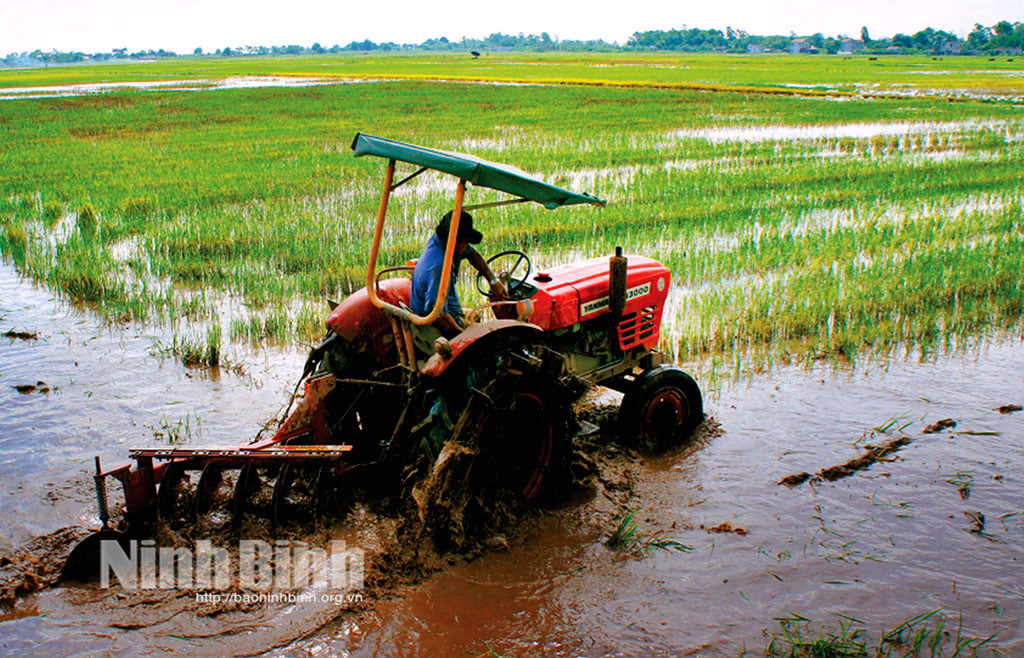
(755, 49)
(850, 46)
(797, 46)
(951, 47)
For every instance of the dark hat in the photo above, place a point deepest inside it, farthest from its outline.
(466, 231)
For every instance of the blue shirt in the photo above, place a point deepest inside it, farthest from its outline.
(426, 279)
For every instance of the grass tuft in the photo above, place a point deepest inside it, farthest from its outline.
(88, 221)
(628, 537)
(925, 634)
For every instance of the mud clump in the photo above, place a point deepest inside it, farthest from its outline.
(726, 527)
(26, 389)
(21, 335)
(977, 520)
(940, 425)
(1009, 408)
(37, 564)
(796, 479)
(872, 455)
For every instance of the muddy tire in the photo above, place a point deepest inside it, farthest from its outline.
(662, 409)
(519, 415)
(523, 447)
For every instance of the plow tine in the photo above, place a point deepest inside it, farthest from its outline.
(297, 493)
(253, 490)
(215, 494)
(176, 504)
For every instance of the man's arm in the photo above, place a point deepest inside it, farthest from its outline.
(498, 291)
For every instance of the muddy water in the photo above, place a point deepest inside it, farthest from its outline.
(881, 545)
(106, 389)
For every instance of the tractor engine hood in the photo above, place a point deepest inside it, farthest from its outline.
(579, 292)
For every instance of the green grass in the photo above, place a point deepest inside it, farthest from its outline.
(629, 537)
(922, 635)
(811, 233)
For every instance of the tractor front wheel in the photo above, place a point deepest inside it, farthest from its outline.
(662, 408)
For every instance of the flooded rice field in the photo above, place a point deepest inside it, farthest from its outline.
(935, 521)
(200, 84)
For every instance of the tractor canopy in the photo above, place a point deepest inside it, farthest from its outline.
(476, 171)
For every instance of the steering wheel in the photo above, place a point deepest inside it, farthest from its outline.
(509, 276)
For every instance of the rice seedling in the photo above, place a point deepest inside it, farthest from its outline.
(192, 351)
(182, 431)
(14, 242)
(849, 638)
(52, 211)
(628, 537)
(88, 222)
(963, 481)
(894, 424)
(842, 642)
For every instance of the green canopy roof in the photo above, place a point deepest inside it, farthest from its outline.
(474, 170)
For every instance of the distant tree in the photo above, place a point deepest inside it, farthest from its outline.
(979, 37)
(922, 39)
(197, 51)
(864, 36)
(361, 45)
(227, 52)
(317, 49)
(1003, 28)
(903, 41)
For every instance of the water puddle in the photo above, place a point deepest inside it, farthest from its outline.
(754, 134)
(201, 84)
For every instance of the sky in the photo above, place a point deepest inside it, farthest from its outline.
(183, 25)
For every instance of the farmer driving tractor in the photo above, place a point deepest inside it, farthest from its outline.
(381, 401)
(426, 279)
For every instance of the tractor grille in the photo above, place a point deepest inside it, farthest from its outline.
(636, 327)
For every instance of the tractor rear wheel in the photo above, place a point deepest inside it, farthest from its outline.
(662, 408)
(523, 448)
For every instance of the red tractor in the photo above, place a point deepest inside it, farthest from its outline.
(385, 393)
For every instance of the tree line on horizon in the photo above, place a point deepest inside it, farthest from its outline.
(1002, 37)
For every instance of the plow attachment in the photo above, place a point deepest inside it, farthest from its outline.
(212, 489)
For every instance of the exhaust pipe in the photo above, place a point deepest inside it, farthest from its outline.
(617, 291)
